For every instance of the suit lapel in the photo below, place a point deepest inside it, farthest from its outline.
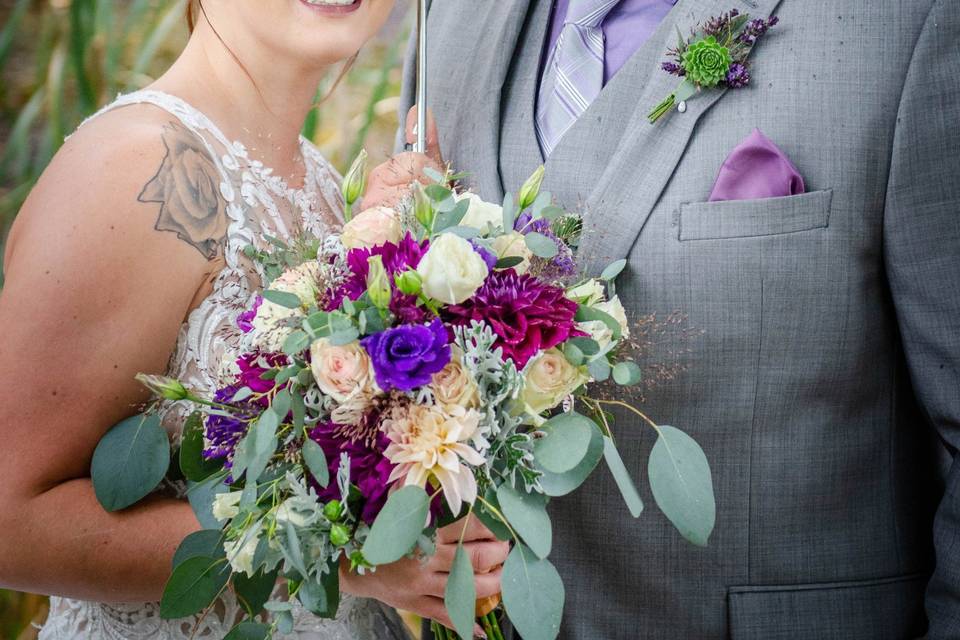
(642, 165)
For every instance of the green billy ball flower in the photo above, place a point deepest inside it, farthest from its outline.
(339, 534)
(706, 62)
(333, 510)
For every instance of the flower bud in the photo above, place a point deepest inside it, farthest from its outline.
(409, 282)
(355, 182)
(339, 534)
(164, 387)
(531, 188)
(378, 285)
(422, 207)
(333, 510)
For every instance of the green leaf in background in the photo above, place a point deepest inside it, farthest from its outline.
(613, 270)
(625, 483)
(282, 298)
(253, 593)
(460, 595)
(560, 484)
(130, 461)
(627, 373)
(192, 463)
(492, 522)
(681, 484)
(201, 495)
(397, 527)
(533, 595)
(248, 630)
(316, 462)
(322, 598)
(527, 514)
(206, 544)
(194, 585)
(540, 245)
(565, 443)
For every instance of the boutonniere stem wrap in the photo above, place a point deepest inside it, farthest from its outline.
(715, 54)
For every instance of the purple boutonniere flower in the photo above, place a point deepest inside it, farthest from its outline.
(407, 356)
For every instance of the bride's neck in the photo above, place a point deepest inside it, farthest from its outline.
(257, 101)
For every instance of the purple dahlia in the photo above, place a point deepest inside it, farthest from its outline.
(527, 315)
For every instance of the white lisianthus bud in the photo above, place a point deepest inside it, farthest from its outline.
(226, 505)
(240, 553)
(164, 387)
(548, 380)
(480, 213)
(355, 182)
(372, 227)
(451, 270)
(378, 284)
(531, 188)
(513, 245)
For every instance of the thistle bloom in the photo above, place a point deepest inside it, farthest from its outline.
(427, 443)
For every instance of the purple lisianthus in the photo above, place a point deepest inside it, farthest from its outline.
(488, 256)
(527, 314)
(369, 469)
(245, 319)
(224, 430)
(407, 356)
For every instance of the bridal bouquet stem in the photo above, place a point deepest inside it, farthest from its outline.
(425, 365)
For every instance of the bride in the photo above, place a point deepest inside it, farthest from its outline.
(128, 257)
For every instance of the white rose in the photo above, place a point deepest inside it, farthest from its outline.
(240, 552)
(451, 270)
(548, 380)
(480, 213)
(590, 292)
(513, 245)
(273, 322)
(340, 371)
(372, 227)
(226, 505)
(598, 330)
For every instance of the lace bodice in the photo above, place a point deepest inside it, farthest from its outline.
(259, 205)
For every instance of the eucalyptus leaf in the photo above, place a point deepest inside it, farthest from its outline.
(509, 212)
(622, 477)
(565, 443)
(316, 462)
(527, 514)
(587, 314)
(242, 394)
(588, 346)
(207, 543)
(264, 434)
(284, 621)
(682, 485)
(344, 336)
(253, 592)
(249, 630)
(508, 261)
(397, 527)
(192, 463)
(282, 298)
(281, 404)
(542, 202)
(201, 495)
(533, 594)
(433, 174)
(552, 212)
(573, 354)
(438, 193)
(627, 373)
(613, 270)
(193, 586)
(541, 245)
(487, 517)
(560, 484)
(296, 343)
(599, 369)
(460, 594)
(130, 461)
(451, 218)
(467, 233)
(322, 598)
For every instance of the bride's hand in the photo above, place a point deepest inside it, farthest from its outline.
(389, 183)
(414, 585)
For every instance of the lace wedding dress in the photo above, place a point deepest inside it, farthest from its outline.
(258, 204)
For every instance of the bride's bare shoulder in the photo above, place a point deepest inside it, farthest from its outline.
(135, 174)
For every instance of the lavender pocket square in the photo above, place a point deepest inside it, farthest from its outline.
(755, 169)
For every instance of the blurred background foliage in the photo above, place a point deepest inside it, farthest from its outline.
(60, 60)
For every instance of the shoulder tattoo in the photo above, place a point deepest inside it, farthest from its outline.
(187, 186)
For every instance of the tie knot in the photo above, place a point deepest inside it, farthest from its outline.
(588, 13)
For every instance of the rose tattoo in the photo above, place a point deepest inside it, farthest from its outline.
(187, 186)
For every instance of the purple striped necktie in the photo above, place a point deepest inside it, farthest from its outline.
(573, 76)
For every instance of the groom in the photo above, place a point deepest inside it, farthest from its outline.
(824, 385)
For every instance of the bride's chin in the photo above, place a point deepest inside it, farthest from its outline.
(332, 7)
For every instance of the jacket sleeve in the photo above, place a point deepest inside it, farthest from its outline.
(922, 259)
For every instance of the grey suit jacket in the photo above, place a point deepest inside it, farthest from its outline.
(825, 383)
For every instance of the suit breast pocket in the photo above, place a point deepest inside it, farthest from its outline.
(730, 219)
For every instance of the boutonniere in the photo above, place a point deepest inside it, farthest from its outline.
(715, 54)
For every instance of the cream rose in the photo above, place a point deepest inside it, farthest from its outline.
(513, 245)
(480, 213)
(372, 227)
(226, 505)
(341, 371)
(451, 270)
(548, 380)
(273, 322)
(454, 385)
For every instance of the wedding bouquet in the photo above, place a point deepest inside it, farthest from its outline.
(424, 365)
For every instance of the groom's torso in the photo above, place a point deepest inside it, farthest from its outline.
(790, 373)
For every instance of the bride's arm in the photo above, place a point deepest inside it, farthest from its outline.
(94, 293)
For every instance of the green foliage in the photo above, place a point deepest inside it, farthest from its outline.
(130, 461)
(533, 594)
(192, 463)
(460, 595)
(527, 514)
(316, 462)
(566, 442)
(560, 484)
(681, 484)
(398, 526)
(620, 474)
(205, 543)
(248, 630)
(194, 585)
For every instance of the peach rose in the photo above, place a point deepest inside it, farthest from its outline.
(372, 227)
(454, 385)
(341, 371)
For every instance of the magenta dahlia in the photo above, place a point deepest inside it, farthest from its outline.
(527, 314)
